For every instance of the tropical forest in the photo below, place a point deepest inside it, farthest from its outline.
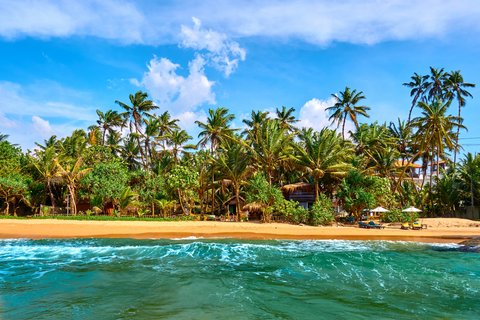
(136, 162)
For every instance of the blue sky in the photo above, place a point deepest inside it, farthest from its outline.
(62, 60)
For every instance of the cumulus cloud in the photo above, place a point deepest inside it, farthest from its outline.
(173, 91)
(313, 114)
(317, 22)
(222, 53)
(42, 127)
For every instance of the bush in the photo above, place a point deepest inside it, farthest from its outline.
(399, 216)
(322, 212)
(291, 211)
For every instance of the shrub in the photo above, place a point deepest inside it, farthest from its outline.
(399, 216)
(322, 212)
(291, 211)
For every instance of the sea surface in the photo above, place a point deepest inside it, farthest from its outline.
(233, 279)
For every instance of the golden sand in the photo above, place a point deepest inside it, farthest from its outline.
(439, 230)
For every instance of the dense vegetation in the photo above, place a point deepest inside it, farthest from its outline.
(139, 162)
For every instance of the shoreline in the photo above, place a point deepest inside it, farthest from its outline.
(68, 229)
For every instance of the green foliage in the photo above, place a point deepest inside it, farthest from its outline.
(105, 182)
(354, 193)
(396, 215)
(127, 198)
(322, 211)
(261, 192)
(381, 190)
(183, 183)
(290, 211)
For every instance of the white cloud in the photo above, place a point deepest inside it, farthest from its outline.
(313, 114)
(108, 19)
(42, 127)
(317, 22)
(28, 112)
(187, 121)
(174, 92)
(222, 53)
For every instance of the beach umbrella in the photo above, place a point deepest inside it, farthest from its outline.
(411, 209)
(379, 209)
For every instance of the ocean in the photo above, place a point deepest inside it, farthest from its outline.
(235, 279)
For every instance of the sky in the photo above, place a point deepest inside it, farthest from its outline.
(61, 60)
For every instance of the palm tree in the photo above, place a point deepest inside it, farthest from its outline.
(418, 86)
(50, 142)
(177, 142)
(108, 121)
(286, 118)
(436, 85)
(321, 154)
(215, 130)
(130, 151)
(46, 167)
(152, 129)
(272, 148)
(255, 121)
(455, 87)
(346, 107)
(71, 173)
(434, 129)
(166, 125)
(134, 113)
(470, 171)
(402, 133)
(233, 163)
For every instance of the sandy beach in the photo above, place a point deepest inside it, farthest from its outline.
(439, 230)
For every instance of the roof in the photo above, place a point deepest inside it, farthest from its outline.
(297, 186)
(403, 163)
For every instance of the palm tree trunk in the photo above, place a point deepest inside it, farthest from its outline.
(343, 127)
(237, 199)
(181, 202)
(103, 136)
(471, 192)
(316, 190)
(456, 138)
(52, 198)
(73, 203)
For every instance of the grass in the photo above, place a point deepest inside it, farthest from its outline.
(99, 218)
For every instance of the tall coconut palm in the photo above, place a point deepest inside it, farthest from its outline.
(233, 163)
(435, 86)
(456, 89)
(323, 153)
(346, 107)
(272, 148)
(435, 129)
(402, 133)
(177, 141)
(166, 125)
(286, 118)
(130, 151)
(134, 113)
(215, 130)
(46, 167)
(255, 121)
(108, 121)
(418, 85)
(152, 130)
(71, 173)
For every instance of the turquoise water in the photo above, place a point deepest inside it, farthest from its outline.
(232, 279)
